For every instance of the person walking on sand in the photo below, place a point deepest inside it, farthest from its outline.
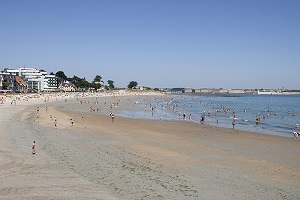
(112, 117)
(72, 122)
(33, 147)
(55, 123)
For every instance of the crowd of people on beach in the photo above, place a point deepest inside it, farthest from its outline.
(177, 108)
(145, 102)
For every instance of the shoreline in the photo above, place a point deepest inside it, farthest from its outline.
(145, 94)
(138, 158)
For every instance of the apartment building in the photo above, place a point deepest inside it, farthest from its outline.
(35, 79)
(12, 81)
(49, 83)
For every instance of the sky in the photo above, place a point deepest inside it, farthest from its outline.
(231, 44)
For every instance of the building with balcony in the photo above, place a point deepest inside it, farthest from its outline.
(49, 83)
(29, 79)
(12, 81)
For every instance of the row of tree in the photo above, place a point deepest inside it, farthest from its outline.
(97, 83)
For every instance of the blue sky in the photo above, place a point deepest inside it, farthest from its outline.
(158, 43)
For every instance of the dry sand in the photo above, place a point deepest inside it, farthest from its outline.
(135, 158)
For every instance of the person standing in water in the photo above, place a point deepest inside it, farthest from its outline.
(233, 124)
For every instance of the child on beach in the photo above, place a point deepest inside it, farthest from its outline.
(296, 135)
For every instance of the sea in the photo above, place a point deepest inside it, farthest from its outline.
(278, 114)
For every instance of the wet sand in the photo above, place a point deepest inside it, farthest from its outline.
(135, 158)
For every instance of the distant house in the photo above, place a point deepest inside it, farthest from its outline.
(66, 86)
(138, 88)
(20, 84)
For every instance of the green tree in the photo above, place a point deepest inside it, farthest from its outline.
(60, 75)
(111, 84)
(97, 78)
(97, 82)
(132, 84)
(4, 85)
(81, 83)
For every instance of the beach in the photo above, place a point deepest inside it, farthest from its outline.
(95, 158)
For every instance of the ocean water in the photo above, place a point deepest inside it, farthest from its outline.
(279, 114)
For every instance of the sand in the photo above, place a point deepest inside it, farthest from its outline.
(136, 158)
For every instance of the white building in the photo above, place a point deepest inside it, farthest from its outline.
(49, 83)
(1, 80)
(35, 79)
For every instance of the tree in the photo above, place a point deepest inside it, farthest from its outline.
(61, 76)
(79, 82)
(132, 84)
(110, 84)
(97, 82)
(97, 78)
(4, 85)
